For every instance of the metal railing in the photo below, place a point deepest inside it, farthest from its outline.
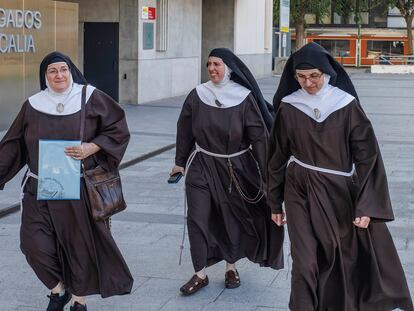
(394, 60)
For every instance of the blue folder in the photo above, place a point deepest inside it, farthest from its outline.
(59, 175)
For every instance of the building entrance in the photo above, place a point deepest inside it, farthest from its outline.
(101, 56)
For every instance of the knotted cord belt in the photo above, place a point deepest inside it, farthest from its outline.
(321, 169)
(233, 179)
(26, 178)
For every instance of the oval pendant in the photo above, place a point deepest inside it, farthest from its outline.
(317, 113)
(60, 107)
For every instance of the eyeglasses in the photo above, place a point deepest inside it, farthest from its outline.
(54, 72)
(314, 77)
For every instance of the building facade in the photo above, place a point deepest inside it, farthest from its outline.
(144, 50)
(380, 37)
(29, 30)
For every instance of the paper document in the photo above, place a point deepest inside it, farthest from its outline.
(59, 175)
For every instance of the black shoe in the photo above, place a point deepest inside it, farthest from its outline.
(232, 279)
(193, 285)
(78, 307)
(57, 302)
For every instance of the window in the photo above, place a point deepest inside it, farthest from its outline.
(385, 47)
(337, 48)
(310, 19)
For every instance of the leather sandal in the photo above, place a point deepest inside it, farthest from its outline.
(232, 279)
(193, 285)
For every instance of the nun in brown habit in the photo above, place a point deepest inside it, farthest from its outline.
(221, 144)
(326, 166)
(72, 255)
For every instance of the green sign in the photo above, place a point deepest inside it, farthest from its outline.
(148, 36)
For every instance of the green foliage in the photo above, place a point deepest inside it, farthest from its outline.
(406, 7)
(276, 13)
(298, 9)
(301, 7)
(345, 8)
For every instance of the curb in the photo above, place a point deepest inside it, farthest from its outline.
(16, 207)
(9, 210)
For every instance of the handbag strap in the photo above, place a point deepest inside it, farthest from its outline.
(82, 115)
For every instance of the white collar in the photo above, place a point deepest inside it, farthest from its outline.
(46, 101)
(228, 95)
(319, 106)
(225, 94)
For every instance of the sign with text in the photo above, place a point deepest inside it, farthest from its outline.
(148, 13)
(284, 15)
(15, 20)
(29, 30)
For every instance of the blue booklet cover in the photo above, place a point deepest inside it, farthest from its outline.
(59, 175)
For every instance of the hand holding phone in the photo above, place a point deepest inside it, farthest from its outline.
(175, 178)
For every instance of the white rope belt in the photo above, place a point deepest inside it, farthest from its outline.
(218, 155)
(321, 169)
(187, 166)
(26, 178)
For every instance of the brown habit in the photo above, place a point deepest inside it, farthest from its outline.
(336, 266)
(221, 225)
(59, 239)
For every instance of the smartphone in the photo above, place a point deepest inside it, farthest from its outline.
(175, 178)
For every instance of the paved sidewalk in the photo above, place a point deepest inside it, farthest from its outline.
(149, 232)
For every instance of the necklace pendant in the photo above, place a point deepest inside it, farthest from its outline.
(317, 113)
(60, 107)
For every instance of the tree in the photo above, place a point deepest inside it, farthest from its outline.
(345, 8)
(298, 10)
(406, 8)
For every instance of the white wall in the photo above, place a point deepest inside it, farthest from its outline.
(253, 24)
(395, 20)
(177, 70)
(253, 35)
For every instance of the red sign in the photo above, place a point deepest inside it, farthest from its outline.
(151, 13)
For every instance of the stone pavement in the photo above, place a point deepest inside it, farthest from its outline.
(149, 232)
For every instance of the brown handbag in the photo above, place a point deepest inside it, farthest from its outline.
(104, 187)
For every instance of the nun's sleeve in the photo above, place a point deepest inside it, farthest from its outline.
(372, 198)
(278, 156)
(257, 134)
(185, 139)
(112, 133)
(13, 151)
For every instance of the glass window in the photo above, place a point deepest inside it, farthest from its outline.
(326, 20)
(364, 18)
(310, 19)
(385, 47)
(337, 19)
(337, 48)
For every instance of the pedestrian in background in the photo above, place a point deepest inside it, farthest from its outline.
(221, 148)
(73, 255)
(343, 255)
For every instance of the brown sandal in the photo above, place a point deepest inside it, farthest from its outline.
(193, 285)
(232, 279)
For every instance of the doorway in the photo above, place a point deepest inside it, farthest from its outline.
(101, 50)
